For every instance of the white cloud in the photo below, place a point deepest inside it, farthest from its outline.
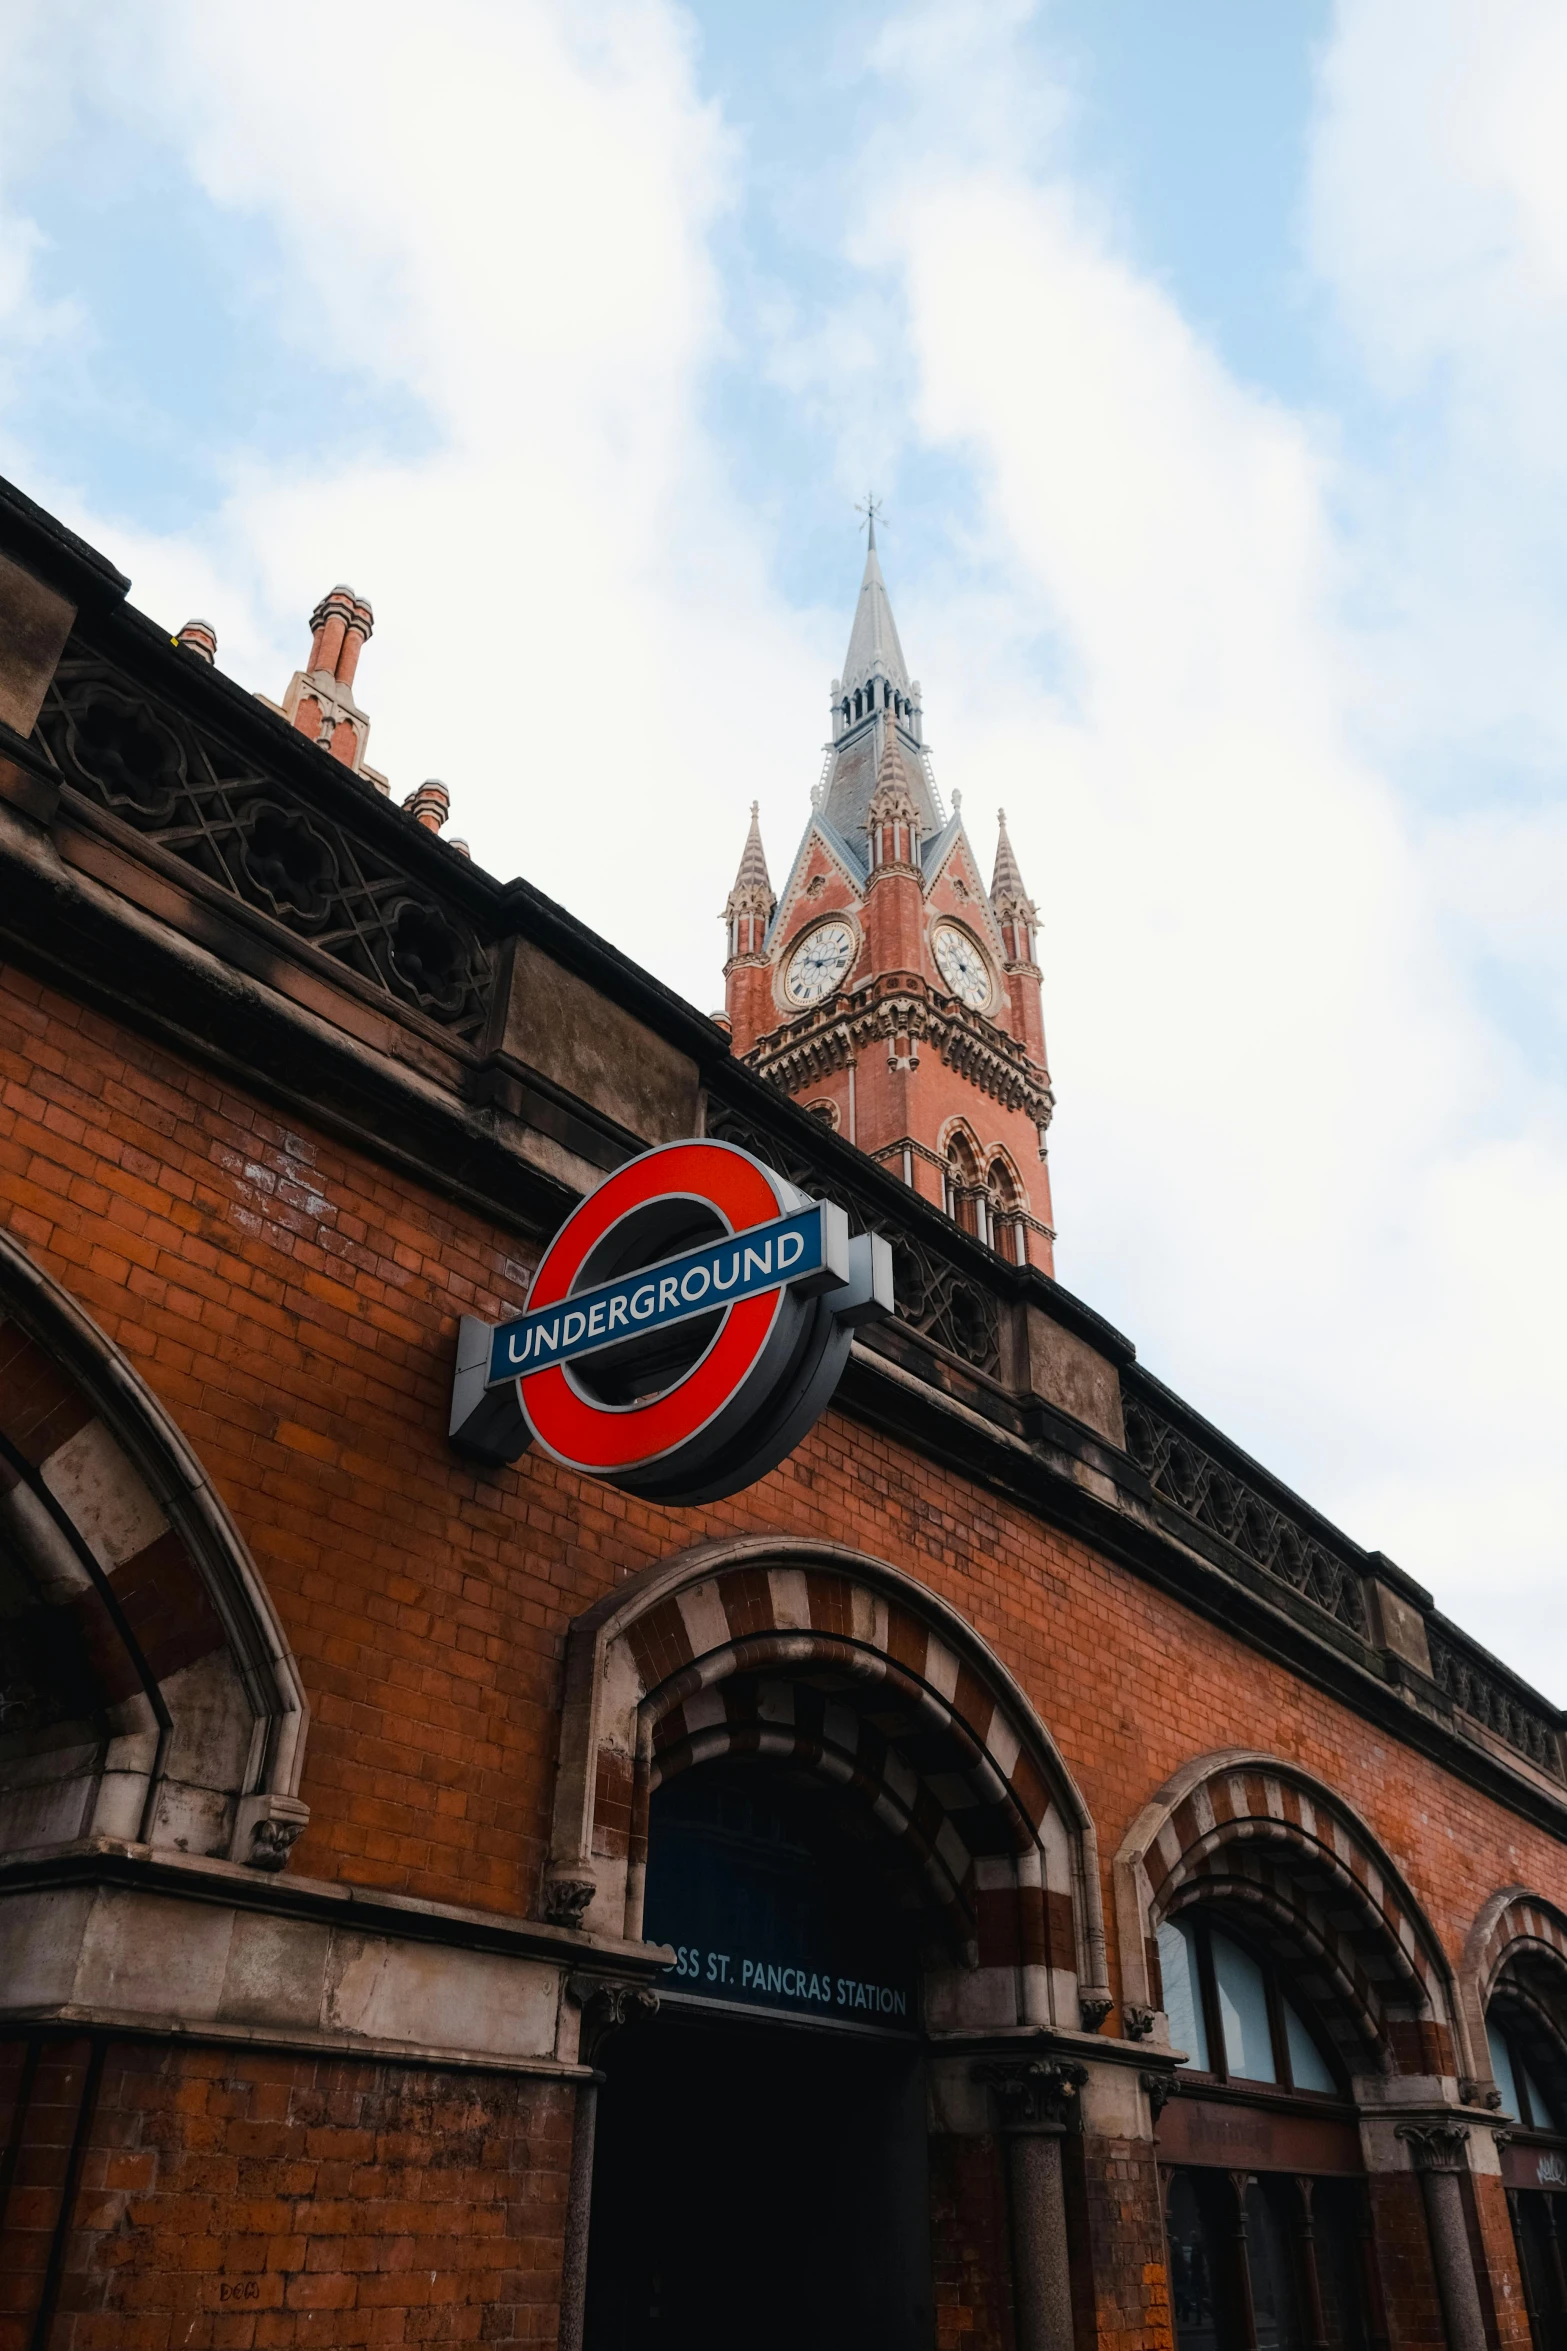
(1293, 1155)
(504, 211)
(1298, 1155)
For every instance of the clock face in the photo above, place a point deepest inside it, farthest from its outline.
(819, 963)
(963, 967)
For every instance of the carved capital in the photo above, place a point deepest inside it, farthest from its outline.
(1093, 2008)
(1436, 2146)
(607, 2007)
(1034, 2093)
(564, 1900)
(1159, 2089)
(1137, 2023)
(266, 1830)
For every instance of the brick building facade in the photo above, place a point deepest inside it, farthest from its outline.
(1152, 1914)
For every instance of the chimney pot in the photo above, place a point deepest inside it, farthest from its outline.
(430, 805)
(328, 623)
(355, 637)
(201, 638)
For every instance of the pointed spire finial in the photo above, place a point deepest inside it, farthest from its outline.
(753, 890)
(1007, 894)
(870, 506)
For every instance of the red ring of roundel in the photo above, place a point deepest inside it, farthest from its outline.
(601, 1438)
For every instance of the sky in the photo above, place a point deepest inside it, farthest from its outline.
(1209, 362)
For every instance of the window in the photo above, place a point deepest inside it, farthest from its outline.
(1522, 2094)
(1229, 2012)
(1268, 2261)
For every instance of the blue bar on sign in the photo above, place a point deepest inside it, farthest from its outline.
(742, 1266)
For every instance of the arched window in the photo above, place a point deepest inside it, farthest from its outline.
(1524, 2095)
(1008, 1233)
(964, 1186)
(1232, 2015)
(1526, 2041)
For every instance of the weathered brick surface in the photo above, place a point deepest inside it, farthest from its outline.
(1414, 2314)
(1507, 2317)
(294, 1305)
(970, 2253)
(1116, 2205)
(229, 2199)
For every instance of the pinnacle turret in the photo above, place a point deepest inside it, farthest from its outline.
(750, 904)
(1015, 911)
(1007, 894)
(893, 818)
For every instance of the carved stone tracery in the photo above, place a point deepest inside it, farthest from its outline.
(832, 1034)
(182, 788)
(1218, 1497)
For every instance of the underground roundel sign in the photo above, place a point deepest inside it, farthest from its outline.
(685, 1327)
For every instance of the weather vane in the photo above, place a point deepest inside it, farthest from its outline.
(871, 506)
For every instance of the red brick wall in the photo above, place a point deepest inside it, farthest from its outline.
(293, 1303)
(294, 1306)
(1114, 2209)
(1507, 2318)
(229, 2199)
(971, 2257)
(1414, 2314)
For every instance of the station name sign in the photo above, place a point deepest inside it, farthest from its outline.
(685, 1328)
(793, 1249)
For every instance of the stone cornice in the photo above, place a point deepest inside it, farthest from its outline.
(901, 1004)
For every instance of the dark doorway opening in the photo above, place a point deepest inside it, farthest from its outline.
(760, 2175)
(762, 2185)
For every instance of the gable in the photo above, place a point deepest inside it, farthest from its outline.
(823, 855)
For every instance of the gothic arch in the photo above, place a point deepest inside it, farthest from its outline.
(1521, 1939)
(1261, 1835)
(1003, 1181)
(837, 1664)
(150, 1694)
(957, 1135)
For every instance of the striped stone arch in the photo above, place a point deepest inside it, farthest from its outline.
(1266, 1840)
(821, 1659)
(1517, 1945)
(147, 1692)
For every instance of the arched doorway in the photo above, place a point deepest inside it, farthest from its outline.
(147, 1691)
(813, 1781)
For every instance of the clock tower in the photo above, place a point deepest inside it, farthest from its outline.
(885, 988)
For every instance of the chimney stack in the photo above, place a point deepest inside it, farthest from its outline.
(320, 698)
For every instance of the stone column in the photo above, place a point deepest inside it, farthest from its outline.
(1306, 2256)
(605, 2007)
(1037, 2097)
(579, 2207)
(1240, 2268)
(1439, 2152)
